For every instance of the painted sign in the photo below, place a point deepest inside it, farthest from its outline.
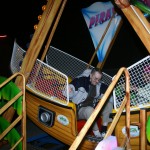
(134, 131)
(63, 119)
(97, 17)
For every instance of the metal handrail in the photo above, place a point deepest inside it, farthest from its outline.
(21, 117)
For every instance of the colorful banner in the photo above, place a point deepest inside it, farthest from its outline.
(97, 17)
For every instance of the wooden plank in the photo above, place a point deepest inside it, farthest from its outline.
(135, 21)
(39, 37)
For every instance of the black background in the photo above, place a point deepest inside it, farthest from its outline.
(17, 20)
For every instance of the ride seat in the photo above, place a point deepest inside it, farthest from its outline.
(81, 123)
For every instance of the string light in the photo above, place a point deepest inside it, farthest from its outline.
(39, 17)
(43, 7)
(35, 27)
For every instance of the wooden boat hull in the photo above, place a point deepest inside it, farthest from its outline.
(68, 133)
(64, 133)
(135, 119)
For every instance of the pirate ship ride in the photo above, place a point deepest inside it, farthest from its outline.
(47, 77)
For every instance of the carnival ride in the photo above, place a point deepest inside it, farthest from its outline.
(45, 81)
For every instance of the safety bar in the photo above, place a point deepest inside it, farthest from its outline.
(125, 102)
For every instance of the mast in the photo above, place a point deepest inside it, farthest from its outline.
(39, 37)
(44, 27)
(137, 20)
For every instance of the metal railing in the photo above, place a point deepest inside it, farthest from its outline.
(125, 102)
(21, 117)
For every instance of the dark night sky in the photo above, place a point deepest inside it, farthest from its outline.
(72, 35)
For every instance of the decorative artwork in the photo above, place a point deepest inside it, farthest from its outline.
(97, 17)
